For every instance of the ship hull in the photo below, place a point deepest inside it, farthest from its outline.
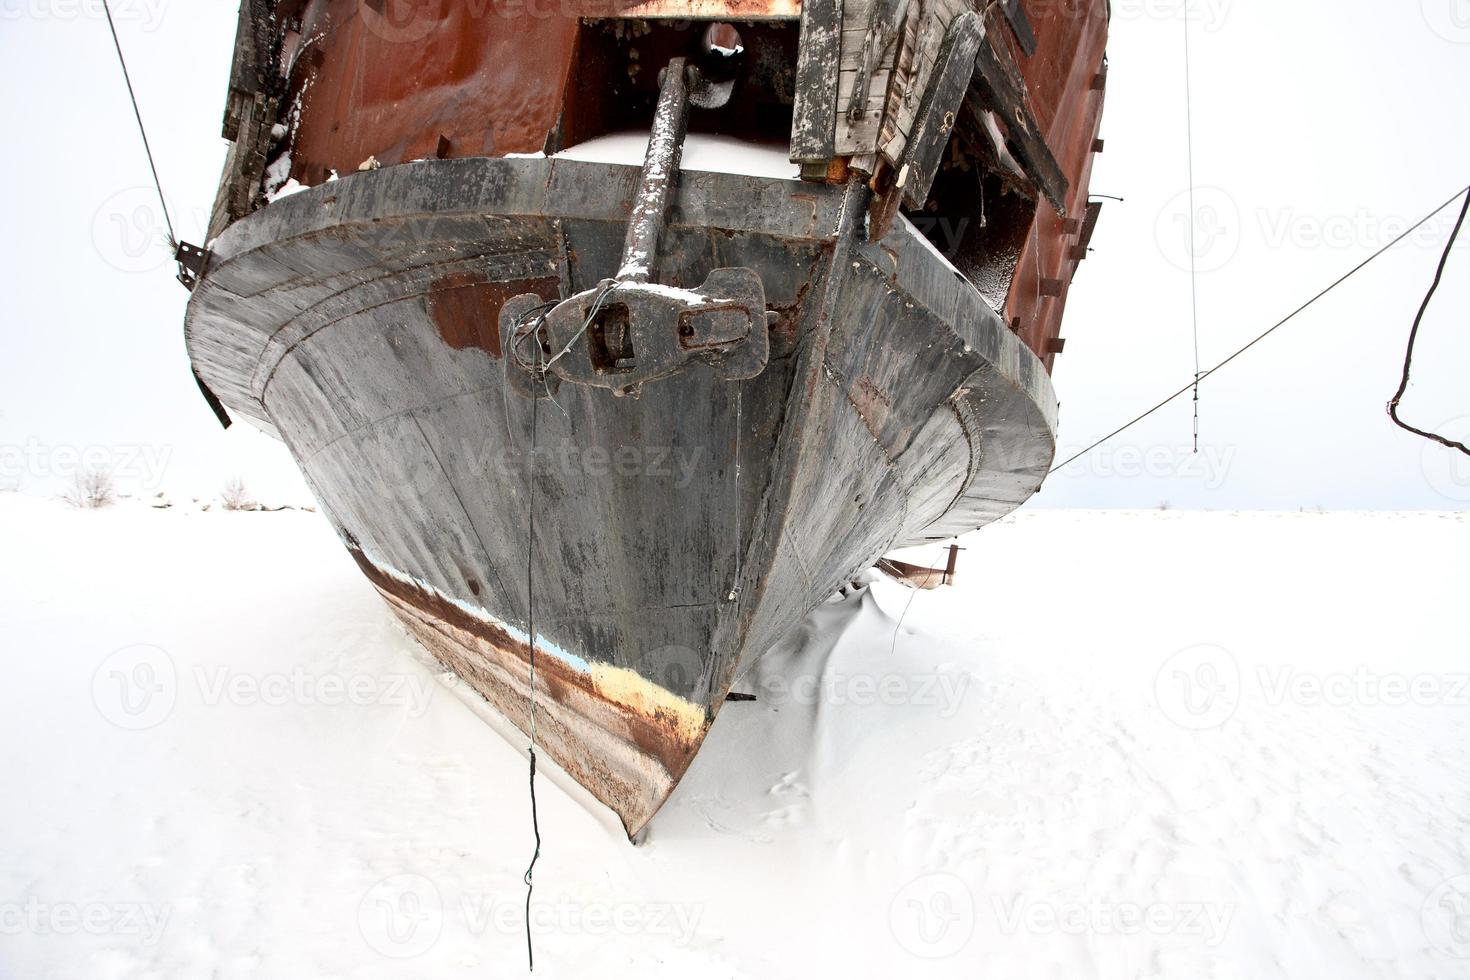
(679, 532)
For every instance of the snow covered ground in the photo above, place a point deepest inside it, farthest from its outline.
(1128, 744)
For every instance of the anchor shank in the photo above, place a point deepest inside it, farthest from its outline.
(660, 174)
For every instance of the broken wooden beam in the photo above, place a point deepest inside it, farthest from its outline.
(1002, 90)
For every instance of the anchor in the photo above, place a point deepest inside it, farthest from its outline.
(630, 330)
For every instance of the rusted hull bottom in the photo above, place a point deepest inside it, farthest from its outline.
(628, 753)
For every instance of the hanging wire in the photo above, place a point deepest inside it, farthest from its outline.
(893, 646)
(914, 594)
(1393, 406)
(173, 239)
(1269, 331)
(529, 325)
(531, 631)
(1193, 219)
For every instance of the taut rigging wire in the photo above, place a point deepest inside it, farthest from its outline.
(1193, 255)
(1275, 327)
(173, 239)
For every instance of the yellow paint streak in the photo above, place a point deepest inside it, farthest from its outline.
(626, 688)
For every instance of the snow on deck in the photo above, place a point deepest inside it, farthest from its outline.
(702, 151)
(1127, 745)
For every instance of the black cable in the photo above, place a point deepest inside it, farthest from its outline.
(173, 240)
(1393, 406)
(531, 629)
(1291, 316)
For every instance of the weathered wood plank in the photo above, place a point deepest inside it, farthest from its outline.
(814, 122)
(870, 28)
(900, 124)
(951, 78)
(903, 80)
(860, 135)
(250, 112)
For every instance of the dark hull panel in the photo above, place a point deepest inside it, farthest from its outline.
(679, 532)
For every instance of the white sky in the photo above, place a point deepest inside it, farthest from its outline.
(1322, 129)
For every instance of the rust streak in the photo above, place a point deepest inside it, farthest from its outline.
(465, 307)
(627, 759)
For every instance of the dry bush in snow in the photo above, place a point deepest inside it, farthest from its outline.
(235, 496)
(91, 489)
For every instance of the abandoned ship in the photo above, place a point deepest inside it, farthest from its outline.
(662, 407)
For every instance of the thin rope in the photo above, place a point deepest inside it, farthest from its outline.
(893, 647)
(1193, 218)
(1277, 326)
(1393, 406)
(173, 239)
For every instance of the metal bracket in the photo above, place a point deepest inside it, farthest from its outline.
(643, 331)
(192, 261)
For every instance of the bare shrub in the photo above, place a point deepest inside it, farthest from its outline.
(235, 496)
(91, 489)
